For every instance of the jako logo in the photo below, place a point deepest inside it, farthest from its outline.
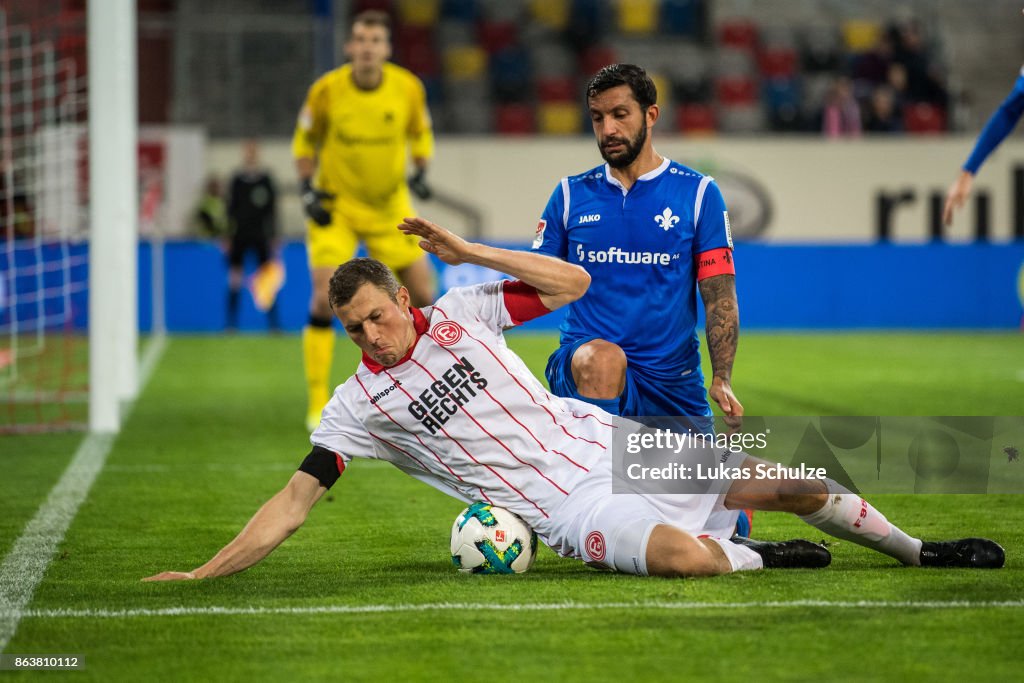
(589, 218)
(616, 255)
(666, 220)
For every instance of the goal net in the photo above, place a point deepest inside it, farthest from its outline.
(43, 233)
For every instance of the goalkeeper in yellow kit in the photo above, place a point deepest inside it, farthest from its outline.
(355, 133)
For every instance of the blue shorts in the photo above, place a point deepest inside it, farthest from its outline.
(642, 396)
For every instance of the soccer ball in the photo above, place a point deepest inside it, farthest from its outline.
(491, 540)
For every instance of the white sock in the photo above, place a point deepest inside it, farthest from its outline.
(848, 516)
(740, 557)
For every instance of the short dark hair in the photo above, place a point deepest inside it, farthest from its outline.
(372, 17)
(625, 74)
(355, 273)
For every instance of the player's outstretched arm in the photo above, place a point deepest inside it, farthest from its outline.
(722, 313)
(278, 519)
(957, 194)
(557, 282)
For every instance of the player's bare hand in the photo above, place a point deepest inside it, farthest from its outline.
(439, 241)
(721, 393)
(171, 576)
(957, 194)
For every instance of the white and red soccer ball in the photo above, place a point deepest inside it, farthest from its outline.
(491, 540)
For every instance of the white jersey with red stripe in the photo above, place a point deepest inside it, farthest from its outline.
(464, 414)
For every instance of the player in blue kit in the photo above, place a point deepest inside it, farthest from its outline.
(999, 125)
(650, 232)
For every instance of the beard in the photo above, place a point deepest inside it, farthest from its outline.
(631, 149)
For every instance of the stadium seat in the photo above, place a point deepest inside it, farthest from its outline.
(502, 11)
(464, 62)
(664, 88)
(923, 118)
(738, 33)
(414, 49)
(695, 119)
(777, 62)
(690, 63)
(780, 92)
(461, 10)
(588, 23)
(559, 118)
(742, 118)
(511, 78)
(385, 6)
(637, 17)
(736, 91)
(783, 98)
(734, 62)
(682, 17)
(514, 119)
(495, 36)
(453, 32)
(861, 35)
(469, 116)
(819, 51)
(777, 37)
(435, 91)
(596, 57)
(787, 119)
(559, 89)
(552, 14)
(422, 13)
(697, 91)
(552, 60)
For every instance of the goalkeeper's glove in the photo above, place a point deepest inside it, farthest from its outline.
(311, 203)
(418, 184)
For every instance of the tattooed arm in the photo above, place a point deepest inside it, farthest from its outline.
(723, 330)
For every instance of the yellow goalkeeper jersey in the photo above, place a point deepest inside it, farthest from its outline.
(362, 138)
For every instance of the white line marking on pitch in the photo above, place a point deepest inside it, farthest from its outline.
(26, 563)
(524, 607)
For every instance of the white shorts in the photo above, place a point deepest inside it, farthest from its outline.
(612, 529)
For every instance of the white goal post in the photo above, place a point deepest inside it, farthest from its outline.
(113, 175)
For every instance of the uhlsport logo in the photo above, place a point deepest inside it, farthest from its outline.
(595, 545)
(446, 333)
(666, 220)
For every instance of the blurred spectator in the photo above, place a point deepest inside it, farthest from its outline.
(924, 77)
(252, 218)
(883, 116)
(872, 68)
(841, 114)
(211, 216)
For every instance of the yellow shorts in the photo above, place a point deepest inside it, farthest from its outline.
(331, 245)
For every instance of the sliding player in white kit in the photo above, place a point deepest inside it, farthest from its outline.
(441, 397)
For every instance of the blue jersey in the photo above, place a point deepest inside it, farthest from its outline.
(999, 125)
(641, 249)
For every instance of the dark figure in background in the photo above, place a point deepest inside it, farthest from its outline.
(252, 216)
(883, 115)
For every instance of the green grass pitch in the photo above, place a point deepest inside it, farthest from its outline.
(218, 430)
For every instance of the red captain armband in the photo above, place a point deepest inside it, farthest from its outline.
(324, 464)
(522, 302)
(715, 262)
